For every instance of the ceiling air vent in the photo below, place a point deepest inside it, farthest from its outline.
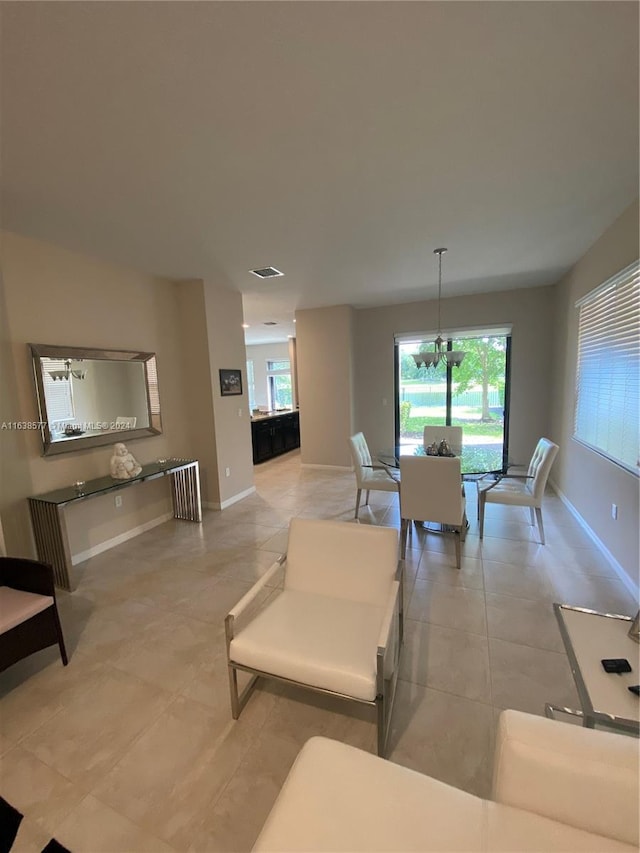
(267, 272)
(270, 323)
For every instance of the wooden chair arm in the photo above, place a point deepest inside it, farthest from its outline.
(27, 575)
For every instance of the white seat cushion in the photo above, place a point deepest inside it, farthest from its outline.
(338, 798)
(17, 606)
(324, 642)
(379, 480)
(516, 492)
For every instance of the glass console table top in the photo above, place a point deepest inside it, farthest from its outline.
(102, 485)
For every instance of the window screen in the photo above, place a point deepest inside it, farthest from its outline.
(607, 393)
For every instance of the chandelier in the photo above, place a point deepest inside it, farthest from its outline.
(453, 358)
(77, 372)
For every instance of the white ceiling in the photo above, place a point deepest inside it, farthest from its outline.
(340, 142)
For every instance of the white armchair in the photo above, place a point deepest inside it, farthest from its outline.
(335, 626)
(431, 491)
(557, 787)
(521, 489)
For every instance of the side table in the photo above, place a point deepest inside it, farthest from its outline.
(588, 638)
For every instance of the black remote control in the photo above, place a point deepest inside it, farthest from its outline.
(635, 688)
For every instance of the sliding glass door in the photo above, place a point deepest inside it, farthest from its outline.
(474, 395)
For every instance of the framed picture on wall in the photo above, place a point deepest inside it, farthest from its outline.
(230, 382)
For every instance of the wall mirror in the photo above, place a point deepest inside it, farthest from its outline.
(90, 397)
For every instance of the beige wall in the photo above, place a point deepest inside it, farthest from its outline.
(589, 481)
(53, 296)
(324, 339)
(231, 414)
(198, 385)
(528, 311)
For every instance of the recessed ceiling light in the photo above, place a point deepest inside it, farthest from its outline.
(267, 272)
(245, 325)
(294, 320)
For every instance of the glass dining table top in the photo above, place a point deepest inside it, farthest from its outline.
(474, 459)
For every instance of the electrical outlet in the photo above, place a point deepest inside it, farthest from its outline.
(227, 472)
(614, 511)
(239, 413)
(118, 501)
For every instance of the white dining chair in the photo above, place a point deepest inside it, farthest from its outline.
(430, 491)
(451, 434)
(521, 489)
(368, 476)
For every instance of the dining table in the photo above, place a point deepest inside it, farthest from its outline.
(390, 457)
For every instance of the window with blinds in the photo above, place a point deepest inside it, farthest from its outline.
(58, 392)
(608, 378)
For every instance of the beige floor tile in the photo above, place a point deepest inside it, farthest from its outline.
(231, 825)
(525, 678)
(300, 714)
(31, 837)
(524, 621)
(445, 659)
(517, 580)
(31, 696)
(520, 531)
(442, 569)
(597, 593)
(84, 740)
(168, 655)
(517, 553)
(444, 604)
(444, 736)
(278, 543)
(95, 827)
(37, 790)
(168, 778)
(250, 535)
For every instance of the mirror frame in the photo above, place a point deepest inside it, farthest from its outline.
(40, 351)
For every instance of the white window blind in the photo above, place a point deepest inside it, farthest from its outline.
(608, 379)
(58, 392)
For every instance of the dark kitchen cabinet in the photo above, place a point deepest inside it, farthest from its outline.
(274, 435)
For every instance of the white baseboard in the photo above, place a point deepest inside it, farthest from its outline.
(327, 467)
(118, 540)
(240, 496)
(618, 568)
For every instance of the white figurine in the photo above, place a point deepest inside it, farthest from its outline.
(123, 465)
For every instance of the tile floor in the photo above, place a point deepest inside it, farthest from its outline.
(132, 746)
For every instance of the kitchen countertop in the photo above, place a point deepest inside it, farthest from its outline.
(263, 416)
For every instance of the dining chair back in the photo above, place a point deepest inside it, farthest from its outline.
(430, 491)
(368, 476)
(451, 434)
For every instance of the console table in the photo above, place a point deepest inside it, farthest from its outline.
(48, 510)
(589, 637)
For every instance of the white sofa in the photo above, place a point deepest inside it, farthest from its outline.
(557, 787)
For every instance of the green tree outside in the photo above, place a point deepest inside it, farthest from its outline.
(483, 364)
